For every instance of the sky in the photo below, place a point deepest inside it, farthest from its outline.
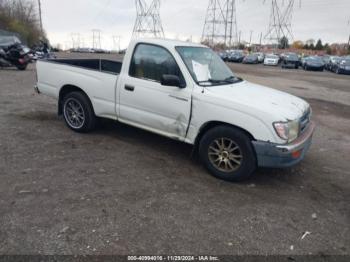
(183, 19)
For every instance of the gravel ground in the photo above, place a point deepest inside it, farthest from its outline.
(120, 190)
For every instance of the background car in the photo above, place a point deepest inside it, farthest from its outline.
(224, 56)
(342, 66)
(261, 56)
(332, 62)
(290, 60)
(271, 60)
(251, 59)
(326, 59)
(303, 60)
(236, 56)
(314, 63)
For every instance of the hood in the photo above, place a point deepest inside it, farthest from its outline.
(260, 98)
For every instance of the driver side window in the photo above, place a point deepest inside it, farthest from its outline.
(151, 62)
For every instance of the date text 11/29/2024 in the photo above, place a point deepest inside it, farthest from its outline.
(173, 258)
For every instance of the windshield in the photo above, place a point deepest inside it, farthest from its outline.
(206, 67)
(345, 62)
(8, 40)
(315, 59)
(292, 56)
(271, 56)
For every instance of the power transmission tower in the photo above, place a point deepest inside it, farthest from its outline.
(75, 40)
(40, 18)
(116, 43)
(148, 22)
(220, 25)
(96, 39)
(280, 21)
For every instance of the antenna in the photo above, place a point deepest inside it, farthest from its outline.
(96, 39)
(280, 21)
(148, 22)
(220, 26)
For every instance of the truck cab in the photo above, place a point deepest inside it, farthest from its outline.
(184, 91)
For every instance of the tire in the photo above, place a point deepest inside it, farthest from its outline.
(219, 162)
(78, 112)
(22, 67)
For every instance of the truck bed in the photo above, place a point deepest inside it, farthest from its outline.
(101, 65)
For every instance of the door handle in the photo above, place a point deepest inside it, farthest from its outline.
(129, 88)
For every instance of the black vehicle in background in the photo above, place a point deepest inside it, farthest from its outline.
(224, 56)
(290, 60)
(236, 56)
(314, 63)
(15, 55)
(251, 59)
(342, 66)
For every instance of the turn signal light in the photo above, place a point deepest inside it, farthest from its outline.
(296, 154)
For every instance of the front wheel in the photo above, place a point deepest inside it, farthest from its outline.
(78, 112)
(228, 154)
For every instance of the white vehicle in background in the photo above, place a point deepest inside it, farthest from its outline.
(261, 56)
(184, 91)
(271, 60)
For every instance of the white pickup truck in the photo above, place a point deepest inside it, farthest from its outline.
(184, 91)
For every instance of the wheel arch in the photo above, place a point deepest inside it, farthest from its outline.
(212, 124)
(66, 89)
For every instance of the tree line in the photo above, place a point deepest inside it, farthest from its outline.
(21, 17)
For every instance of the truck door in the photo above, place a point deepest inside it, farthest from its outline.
(145, 103)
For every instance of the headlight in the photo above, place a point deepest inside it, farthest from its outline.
(288, 131)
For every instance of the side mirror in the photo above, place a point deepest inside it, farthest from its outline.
(171, 80)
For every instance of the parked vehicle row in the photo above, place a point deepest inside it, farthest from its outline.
(339, 65)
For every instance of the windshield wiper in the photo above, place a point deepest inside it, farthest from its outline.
(229, 80)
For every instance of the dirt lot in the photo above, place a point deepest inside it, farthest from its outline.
(121, 190)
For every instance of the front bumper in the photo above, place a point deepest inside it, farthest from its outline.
(279, 156)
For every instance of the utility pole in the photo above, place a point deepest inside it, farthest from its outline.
(260, 42)
(239, 38)
(250, 40)
(40, 18)
(349, 37)
(220, 26)
(148, 22)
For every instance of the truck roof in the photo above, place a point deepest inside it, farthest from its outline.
(169, 43)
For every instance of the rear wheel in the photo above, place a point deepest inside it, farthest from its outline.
(228, 154)
(78, 112)
(22, 67)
